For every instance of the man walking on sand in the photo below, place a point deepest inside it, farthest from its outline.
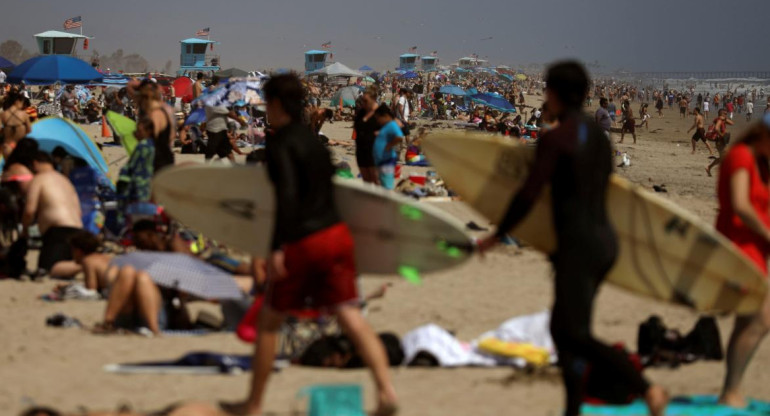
(602, 117)
(700, 132)
(52, 200)
(313, 263)
(575, 159)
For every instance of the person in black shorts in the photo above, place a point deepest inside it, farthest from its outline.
(366, 126)
(700, 132)
(576, 160)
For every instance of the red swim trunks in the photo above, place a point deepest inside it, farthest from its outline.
(321, 272)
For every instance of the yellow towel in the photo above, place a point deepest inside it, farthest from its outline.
(531, 354)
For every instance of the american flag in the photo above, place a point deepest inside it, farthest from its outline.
(203, 32)
(326, 45)
(434, 53)
(413, 49)
(73, 23)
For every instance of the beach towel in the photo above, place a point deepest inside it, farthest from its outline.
(192, 363)
(681, 406)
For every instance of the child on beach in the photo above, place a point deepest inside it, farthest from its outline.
(388, 138)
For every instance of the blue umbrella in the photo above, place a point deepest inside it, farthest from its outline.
(495, 101)
(51, 132)
(452, 90)
(410, 75)
(197, 116)
(366, 68)
(4, 63)
(49, 69)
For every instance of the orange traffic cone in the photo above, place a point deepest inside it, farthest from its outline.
(105, 129)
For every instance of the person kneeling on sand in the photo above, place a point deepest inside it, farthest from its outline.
(52, 202)
(96, 266)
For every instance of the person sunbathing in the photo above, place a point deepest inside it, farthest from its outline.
(188, 409)
(96, 266)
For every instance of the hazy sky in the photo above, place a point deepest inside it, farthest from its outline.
(639, 34)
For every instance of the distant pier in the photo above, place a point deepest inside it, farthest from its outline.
(704, 75)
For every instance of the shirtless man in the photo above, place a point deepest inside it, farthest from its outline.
(722, 138)
(15, 123)
(683, 104)
(700, 132)
(198, 86)
(53, 202)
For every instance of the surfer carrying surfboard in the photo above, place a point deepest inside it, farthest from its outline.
(576, 160)
(313, 263)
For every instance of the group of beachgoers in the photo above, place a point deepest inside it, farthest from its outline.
(312, 260)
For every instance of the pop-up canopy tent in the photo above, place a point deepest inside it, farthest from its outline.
(232, 72)
(336, 70)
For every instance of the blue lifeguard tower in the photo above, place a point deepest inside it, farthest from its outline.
(407, 62)
(429, 63)
(54, 42)
(194, 57)
(315, 60)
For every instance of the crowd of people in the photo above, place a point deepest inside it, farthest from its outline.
(312, 263)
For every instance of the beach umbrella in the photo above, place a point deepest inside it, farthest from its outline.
(505, 77)
(521, 77)
(51, 132)
(451, 90)
(237, 91)
(123, 129)
(50, 69)
(183, 88)
(6, 64)
(111, 80)
(410, 75)
(182, 272)
(80, 92)
(232, 73)
(347, 96)
(197, 116)
(369, 79)
(495, 101)
(366, 68)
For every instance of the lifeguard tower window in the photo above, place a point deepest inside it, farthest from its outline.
(409, 60)
(46, 47)
(199, 48)
(63, 46)
(188, 49)
(317, 58)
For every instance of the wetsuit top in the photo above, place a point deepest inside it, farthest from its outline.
(576, 159)
(365, 138)
(301, 171)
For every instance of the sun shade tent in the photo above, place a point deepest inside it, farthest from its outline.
(346, 97)
(52, 132)
(337, 70)
(494, 101)
(123, 128)
(452, 90)
(50, 69)
(232, 72)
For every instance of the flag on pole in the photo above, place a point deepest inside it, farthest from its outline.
(326, 45)
(73, 23)
(203, 32)
(434, 53)
(413, 49)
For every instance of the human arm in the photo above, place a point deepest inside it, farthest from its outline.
(31, 206)
(739, 198)
(231, 137)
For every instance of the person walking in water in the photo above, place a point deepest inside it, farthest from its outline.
(576, 160)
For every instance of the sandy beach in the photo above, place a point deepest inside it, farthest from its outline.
(63, 367)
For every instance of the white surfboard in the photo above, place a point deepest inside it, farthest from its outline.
(665, 252)
(236, 206)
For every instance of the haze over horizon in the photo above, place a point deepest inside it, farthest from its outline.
(655, 35)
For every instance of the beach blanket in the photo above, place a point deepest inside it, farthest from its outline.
(451, 352)
(192, 363)
(681, 406)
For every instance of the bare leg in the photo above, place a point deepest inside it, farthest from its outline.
(708, 146)
(121, 293)
(747, 334)
(148, 301)
(264, 356)
(694, 142)
(372, 351)
(66, 269)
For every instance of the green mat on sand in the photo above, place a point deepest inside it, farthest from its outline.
(681, 406)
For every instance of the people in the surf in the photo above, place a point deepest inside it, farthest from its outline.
(576, 160)
(312, 264)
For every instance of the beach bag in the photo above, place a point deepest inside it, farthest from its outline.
(602, 385)
(333, 400)
(711, 133)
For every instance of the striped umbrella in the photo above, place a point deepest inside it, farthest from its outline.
(184, 273)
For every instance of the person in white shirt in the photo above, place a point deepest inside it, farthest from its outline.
(706, 107)
(749, 110)
(2, 81)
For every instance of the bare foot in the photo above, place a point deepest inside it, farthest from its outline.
(735, 400)
(387, 402)
(657, 400)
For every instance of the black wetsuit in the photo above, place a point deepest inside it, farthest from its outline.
(365, 135)
(576, 159)
(301, 170)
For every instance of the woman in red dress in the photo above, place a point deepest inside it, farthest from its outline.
(744, 217)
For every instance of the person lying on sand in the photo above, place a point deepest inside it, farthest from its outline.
(189, 409)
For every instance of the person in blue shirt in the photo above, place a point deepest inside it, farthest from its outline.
(388, 138)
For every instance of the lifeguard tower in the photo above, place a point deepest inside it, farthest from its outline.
(407, 62)
(470, 62)
(429, 63)
(315, 60)
(194, 56)
(54, 42)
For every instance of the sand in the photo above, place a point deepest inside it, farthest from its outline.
(62, 367)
